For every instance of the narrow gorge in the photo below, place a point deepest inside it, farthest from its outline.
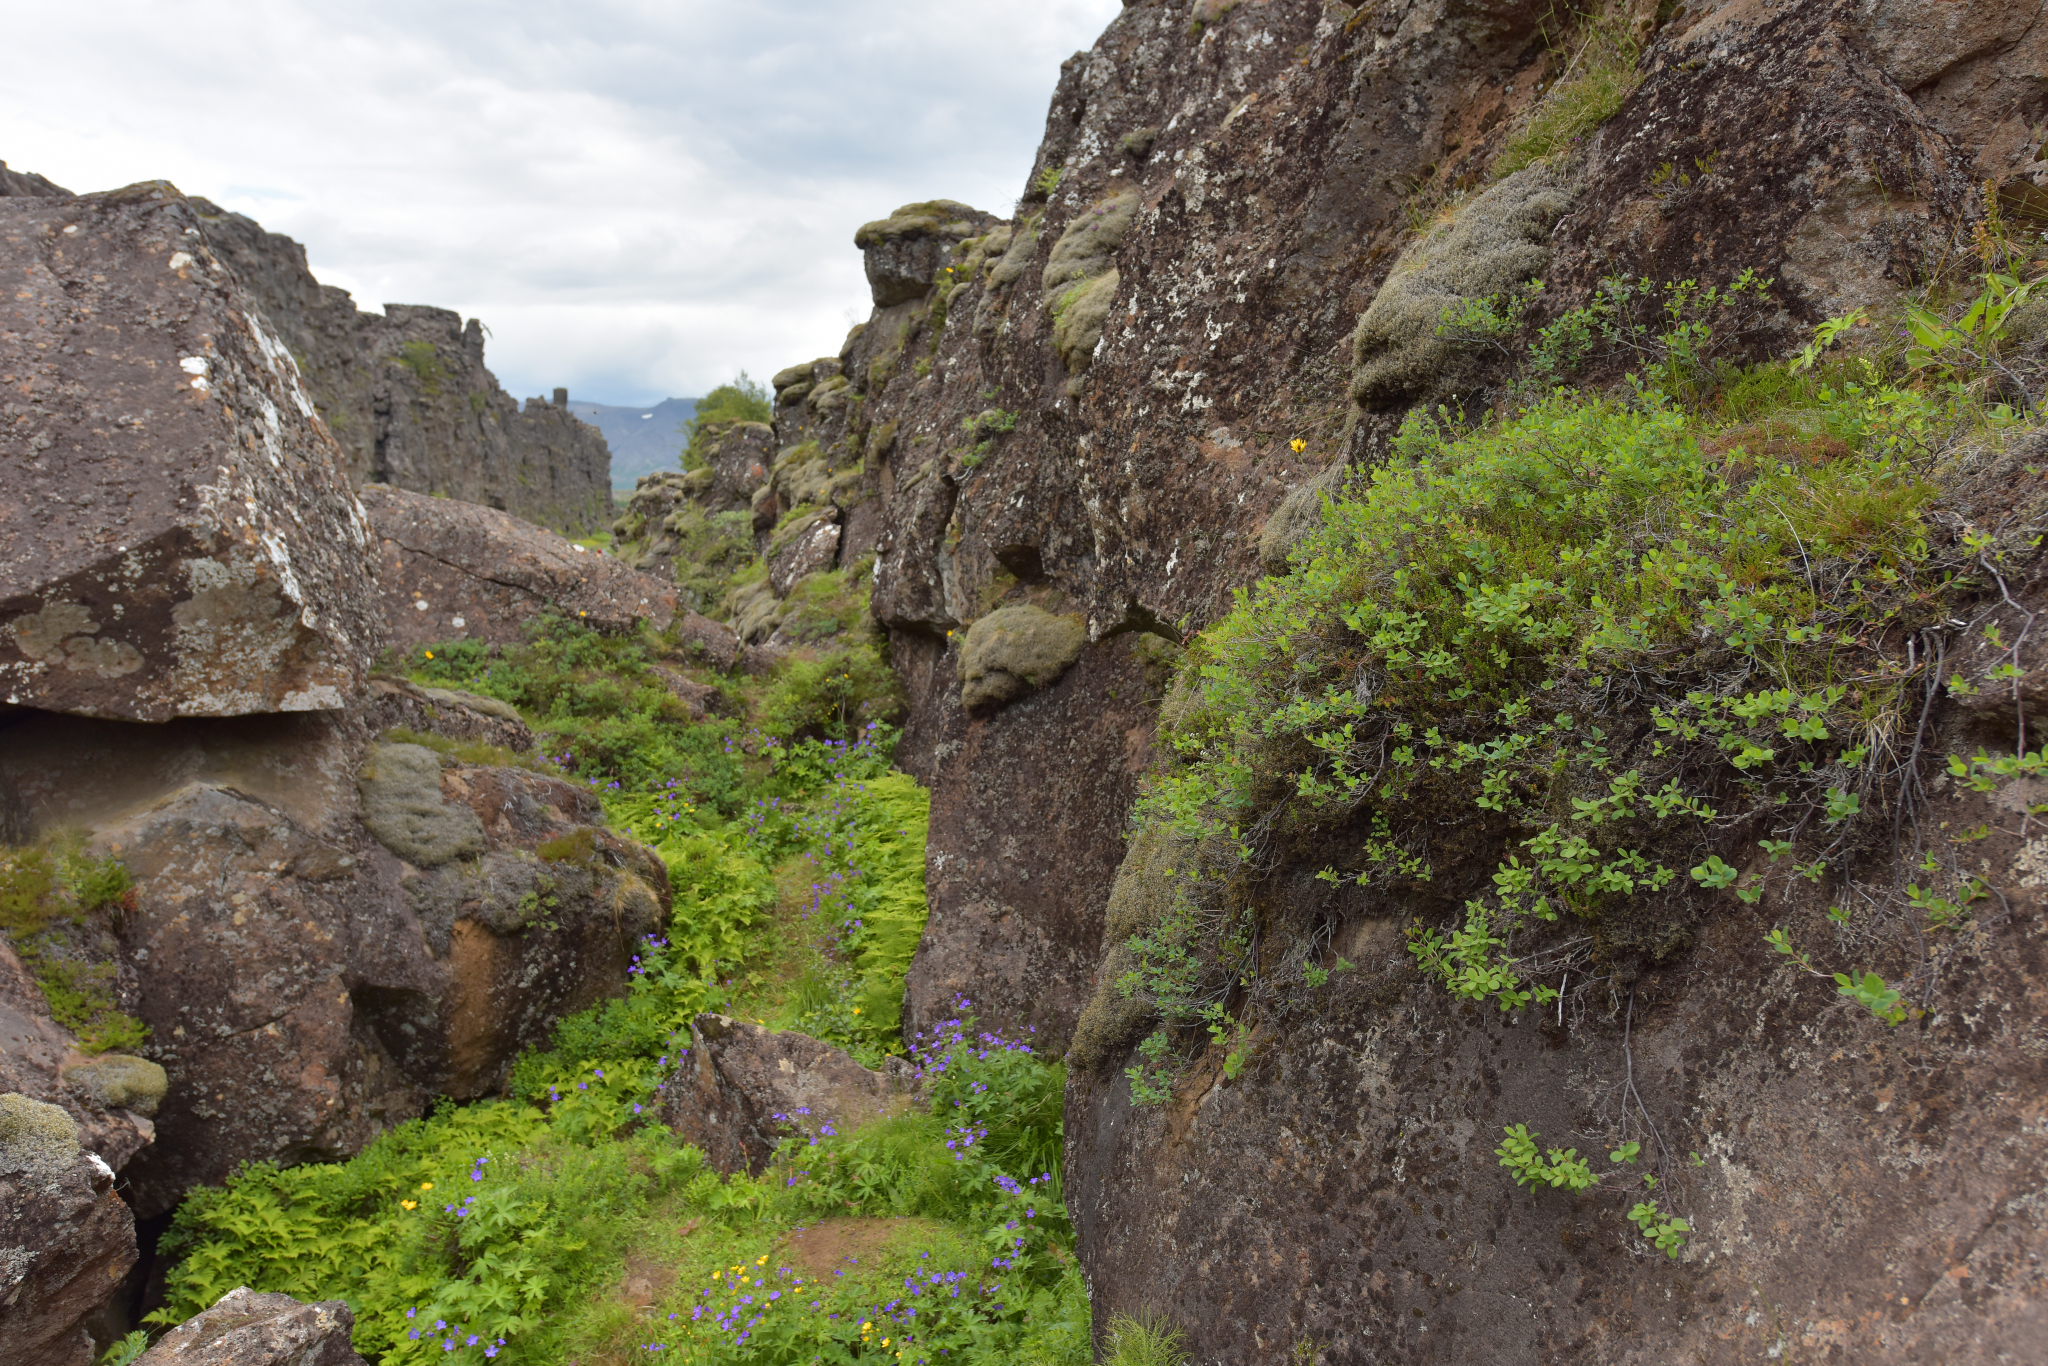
(1396, 722)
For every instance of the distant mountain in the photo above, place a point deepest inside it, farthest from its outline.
(643, 440)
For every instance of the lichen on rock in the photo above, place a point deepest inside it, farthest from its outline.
(1499, 240)
(1015, 649)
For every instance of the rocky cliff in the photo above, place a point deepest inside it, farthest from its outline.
(408, 397)
(316, 897)
(1092, 424)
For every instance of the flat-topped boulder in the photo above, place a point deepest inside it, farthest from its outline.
(247, 1328)
(178, 538)
(448, 570)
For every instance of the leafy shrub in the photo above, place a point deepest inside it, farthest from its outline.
(833, 695)
(743, 400)
(1582, 626)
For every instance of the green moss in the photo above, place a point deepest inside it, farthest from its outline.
(424, 361)
(1015, 649)
(576, 846)
(121, 1081)
(57, 904)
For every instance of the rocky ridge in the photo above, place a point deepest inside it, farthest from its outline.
(1118, 407)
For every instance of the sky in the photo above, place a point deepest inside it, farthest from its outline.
(639, 199)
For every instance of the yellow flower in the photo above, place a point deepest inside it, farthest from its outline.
(408, 1204)
(865, 1326)
(856, 1010)
(1298, 445)
(426, 1185)
(760, 1261)
(430, 654)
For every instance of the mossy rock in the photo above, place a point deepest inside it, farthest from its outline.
(1497, 241)
(1080, 280)
(1298, 515)
(1138, 142)
(38, 1141)
(931, 217)
(756, 611)
(1017, 255)
(1088, 246)
(1015, 649)
(795, 374)
(1080, 318)
(1141, 899)
(399, 787)
(120, 1081)
(489, 706)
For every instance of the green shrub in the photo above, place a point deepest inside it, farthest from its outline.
(834, 694)
(743, 400)
(1582, 627)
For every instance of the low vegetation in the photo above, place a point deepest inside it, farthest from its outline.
(59, 906)
(1660, 627)
(563, 1222)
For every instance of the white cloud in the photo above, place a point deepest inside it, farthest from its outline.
(636, 197)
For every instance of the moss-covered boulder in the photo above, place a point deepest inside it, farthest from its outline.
(1081, 279)
(400, 789)
(1015, 649)
(904, 251)
(1499, 240)
(119, 1081)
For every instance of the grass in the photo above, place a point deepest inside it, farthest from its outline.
(1600, 75)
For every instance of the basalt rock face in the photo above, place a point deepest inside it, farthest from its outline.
(1101, 411)
(178, 539)
(408, 397)
(449, 570)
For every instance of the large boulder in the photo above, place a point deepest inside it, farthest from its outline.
(246, 1328)
(178, 539)
(456, 571)
(309, 983)
(746, 1087)
(66, 1240)
(68, 1125)
(309, 987)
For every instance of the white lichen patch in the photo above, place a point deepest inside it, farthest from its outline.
(2032, 863)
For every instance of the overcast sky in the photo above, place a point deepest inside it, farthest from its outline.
(637, 198)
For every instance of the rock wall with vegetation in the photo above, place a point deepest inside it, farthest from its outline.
(1396, 723)
(1579, 781)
